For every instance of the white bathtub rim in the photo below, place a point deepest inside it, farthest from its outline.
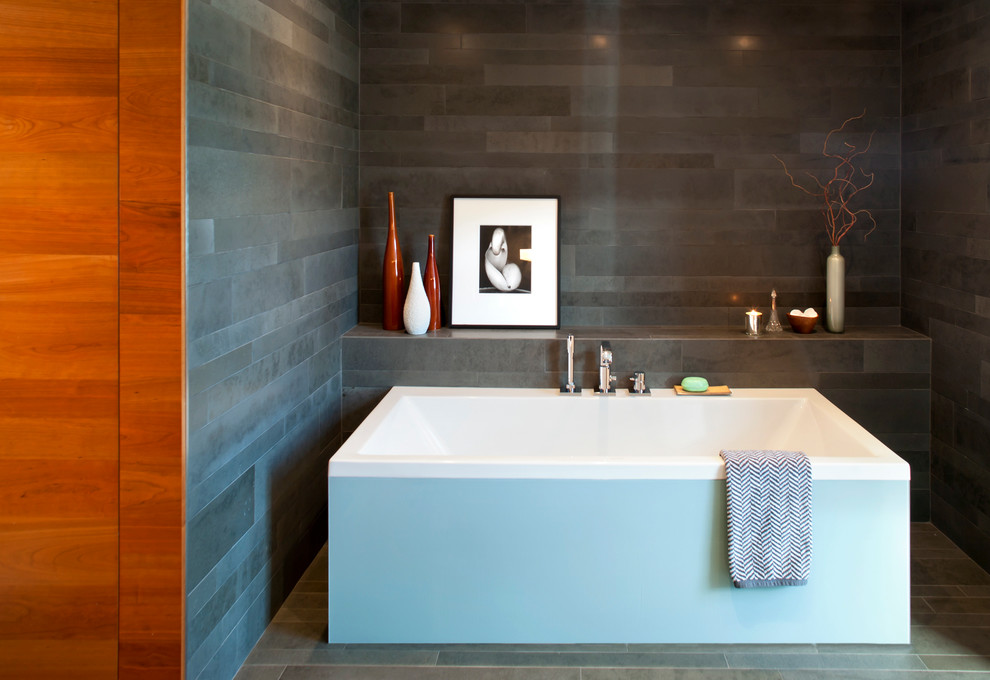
(882, 464)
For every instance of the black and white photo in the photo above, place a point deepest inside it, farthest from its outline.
(498, 272)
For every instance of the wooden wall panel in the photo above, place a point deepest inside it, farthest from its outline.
(152, 339)
(58, 339)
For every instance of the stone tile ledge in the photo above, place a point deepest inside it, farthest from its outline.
(367, 330)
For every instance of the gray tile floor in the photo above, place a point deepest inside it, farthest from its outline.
(950, 640)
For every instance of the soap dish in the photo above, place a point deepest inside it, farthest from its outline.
(712, 391)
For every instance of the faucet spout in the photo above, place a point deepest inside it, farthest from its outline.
(570, 387)
(605, 377)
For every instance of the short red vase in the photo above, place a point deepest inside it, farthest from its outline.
(393, 275)
(431, 281)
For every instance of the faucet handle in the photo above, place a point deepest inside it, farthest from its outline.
(639, 384)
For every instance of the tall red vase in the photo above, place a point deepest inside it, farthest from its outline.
(431, 281)
(393, 275)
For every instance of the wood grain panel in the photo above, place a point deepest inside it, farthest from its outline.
(70, 72)
(47, 660)
(61, 400)
(64, 438)
(39, 612)
(58, 278)
(72, 124)
(58, 357)
(152, 593)
(36, 338)
(149, 248)
(63, 24)
(61, 180)
(58, 551)
(58, 489)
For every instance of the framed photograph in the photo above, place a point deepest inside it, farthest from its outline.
(506, 262)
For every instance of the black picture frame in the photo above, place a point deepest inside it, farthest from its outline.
(505, 268)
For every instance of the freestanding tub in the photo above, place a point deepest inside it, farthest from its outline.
(478, 515)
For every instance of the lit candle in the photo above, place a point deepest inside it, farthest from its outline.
(753, 322)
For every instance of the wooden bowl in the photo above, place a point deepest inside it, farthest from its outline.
(802, 324)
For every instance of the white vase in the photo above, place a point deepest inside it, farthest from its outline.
(416, 312)
(835, 292)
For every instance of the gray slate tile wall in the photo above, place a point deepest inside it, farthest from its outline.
(946, 249)
(656, 123)
(271, 286)
(879, 376)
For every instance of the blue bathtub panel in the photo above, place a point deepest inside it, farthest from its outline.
(582, 561)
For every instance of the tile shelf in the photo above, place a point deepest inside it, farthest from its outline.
(641, 333)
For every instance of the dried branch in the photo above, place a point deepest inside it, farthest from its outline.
(836, 193)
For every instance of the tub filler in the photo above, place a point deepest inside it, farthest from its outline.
(469, 515)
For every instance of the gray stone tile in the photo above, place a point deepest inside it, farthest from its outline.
(328, 268)
(438, 18)
(430, 673)
(226, 183)
(231, 109)
(219, 266)
(507, 100)
(306, 635)
(852, 674)
(678, 674)
(262, 290)
(315, 186)
(208, 308)
(300, 616)
(582, 659)
(312, 587)
(765, 648)
(549, 142)
(865, 649)
(218, 526)
(769, 661)
(521, 648)
(959, 605)
(217, 36)
(402, 100)
(906, 410)
(947, 571)
(199, 237)
(872, 661)
(630, 19)
(577, 75)
(333, 656)
(769, 356)
(251, 230)
(897, 357)
(937, 591)
(950, 640)
(260, 673)
(206, 375)
(956, 662)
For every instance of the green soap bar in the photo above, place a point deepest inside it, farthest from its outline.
(694, 384)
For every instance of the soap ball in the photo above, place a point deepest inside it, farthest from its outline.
(803, 322)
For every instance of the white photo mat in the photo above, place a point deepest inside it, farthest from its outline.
(534, 301)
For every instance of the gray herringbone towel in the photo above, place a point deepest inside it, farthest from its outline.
(769, 512)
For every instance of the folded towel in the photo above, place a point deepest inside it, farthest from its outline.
(769, 512)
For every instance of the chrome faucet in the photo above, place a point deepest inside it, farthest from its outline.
(605, 377)
(570, 387)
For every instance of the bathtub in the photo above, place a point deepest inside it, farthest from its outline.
(473, 515)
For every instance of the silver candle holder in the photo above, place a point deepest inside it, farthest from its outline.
(753, 319)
